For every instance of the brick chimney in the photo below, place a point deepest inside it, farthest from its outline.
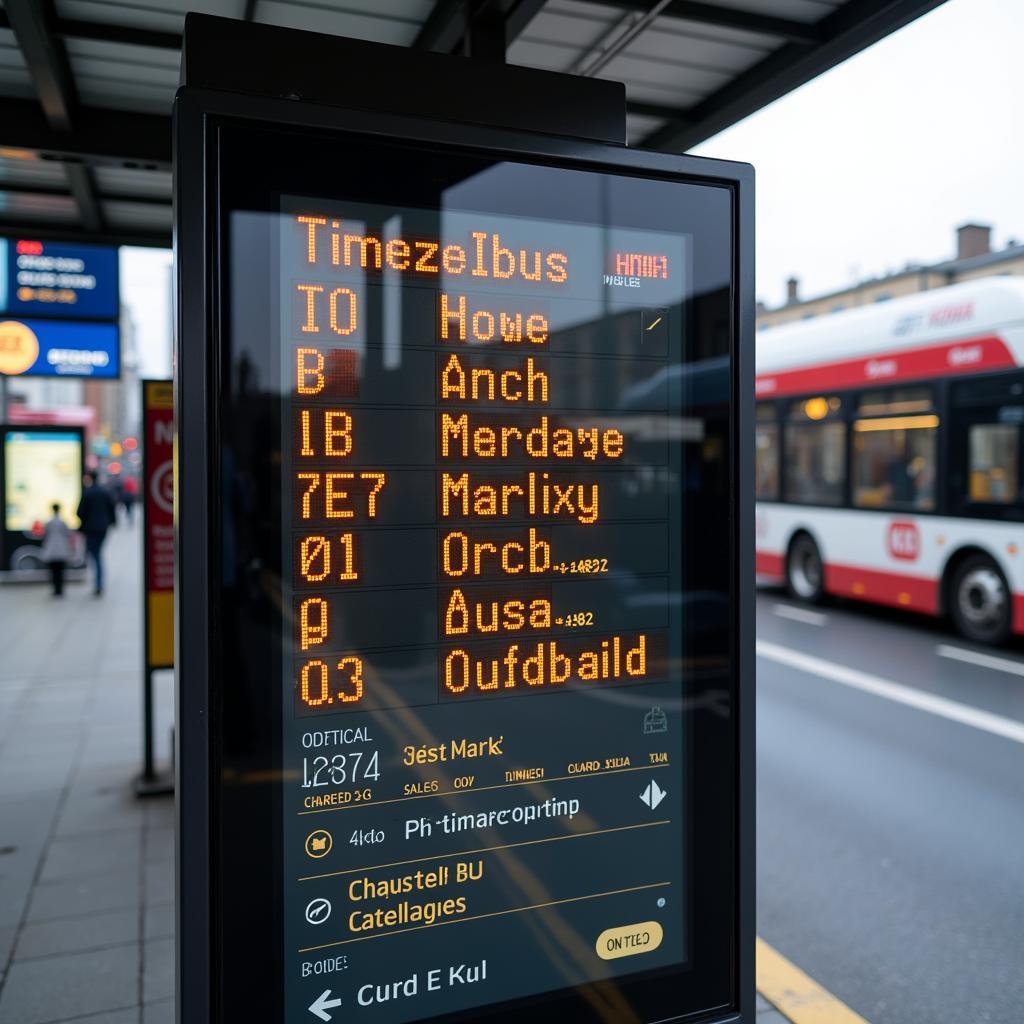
(973, 240)
(792, 291)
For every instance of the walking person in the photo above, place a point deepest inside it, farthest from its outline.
(97, 514)
(56, 550)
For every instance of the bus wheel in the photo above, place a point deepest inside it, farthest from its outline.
(980, 601)
(805, 575)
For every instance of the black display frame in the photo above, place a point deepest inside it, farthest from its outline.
(203, 920)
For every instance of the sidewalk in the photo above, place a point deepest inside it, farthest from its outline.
(86, 869)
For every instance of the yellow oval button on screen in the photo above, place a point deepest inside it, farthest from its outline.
(629, 940)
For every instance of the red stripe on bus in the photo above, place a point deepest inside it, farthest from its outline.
(970, 355)
(1018, 613)
(916, 593)
(767, 563)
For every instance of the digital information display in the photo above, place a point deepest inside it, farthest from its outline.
(41, 467)
(469, 548)
(40, 278)
(56, 348)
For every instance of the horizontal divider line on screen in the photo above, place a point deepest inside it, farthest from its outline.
(483, 789)
(501, 581)
(480, 522)
(523, 635)
(458, 284)
(483, 347)
(485, 849)
(492, 406)
(496, 913)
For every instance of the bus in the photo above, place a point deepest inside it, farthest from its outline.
(888, 456)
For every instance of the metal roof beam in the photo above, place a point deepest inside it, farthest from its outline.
(729, 17)
(47, 62)
(103, 32)
(62, 191)
(451, 21)
(69, 233)
(101, 137)
(852, 28)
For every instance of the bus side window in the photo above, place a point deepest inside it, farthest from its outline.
(894, 450)
(992, 471)
(766, 452)
(815, 443)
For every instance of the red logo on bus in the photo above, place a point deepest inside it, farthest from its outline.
(904, 541)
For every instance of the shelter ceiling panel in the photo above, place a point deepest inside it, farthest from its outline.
(158, 15)
(137, 216)
(378, 28)
(28, 169)
(808, 11)
(127, 182)
(22, 206)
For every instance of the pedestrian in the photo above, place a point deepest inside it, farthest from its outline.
(129, 495)
(96, 513)
(56, 550)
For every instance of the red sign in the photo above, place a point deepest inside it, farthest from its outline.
(904, 541)
(158, 503)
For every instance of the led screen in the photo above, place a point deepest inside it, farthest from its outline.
(40, 468)
(483, 548)
(58, 279)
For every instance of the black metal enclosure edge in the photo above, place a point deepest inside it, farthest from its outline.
(196, 369)
(193, 523)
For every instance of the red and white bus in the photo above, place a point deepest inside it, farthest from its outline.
(889, 455)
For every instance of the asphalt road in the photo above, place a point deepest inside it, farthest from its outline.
(891, 818)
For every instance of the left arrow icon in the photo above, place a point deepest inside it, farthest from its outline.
(323, 1003)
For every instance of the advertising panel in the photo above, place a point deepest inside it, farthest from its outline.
(158, 517)
(41, 468)
(56, 348)
(59, 279)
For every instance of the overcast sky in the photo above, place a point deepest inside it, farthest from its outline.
(874, 164)
(862, 170)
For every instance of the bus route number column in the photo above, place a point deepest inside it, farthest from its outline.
(332, 496)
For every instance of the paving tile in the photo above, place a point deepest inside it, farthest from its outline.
(159, 886)
(158, 1013)
(94, 894)
(130, 1016)
(92, 855)
(158, 921)
(157, 970)
(77, 934)
(62, 988)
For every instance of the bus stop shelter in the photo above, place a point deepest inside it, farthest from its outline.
(86, 87)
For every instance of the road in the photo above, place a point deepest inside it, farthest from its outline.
(891, 817)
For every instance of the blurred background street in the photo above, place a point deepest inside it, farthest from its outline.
(86, 869)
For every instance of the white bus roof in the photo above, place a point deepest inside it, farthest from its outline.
(968, 327)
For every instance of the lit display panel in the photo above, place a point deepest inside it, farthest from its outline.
(476, 463)
(41, 468)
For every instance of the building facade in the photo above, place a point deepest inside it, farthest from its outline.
(974, 258)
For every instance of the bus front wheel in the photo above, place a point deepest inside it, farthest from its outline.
(980, 601)
(805, 573)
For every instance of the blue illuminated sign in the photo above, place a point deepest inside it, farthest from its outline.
(58, 279)
(54, 348)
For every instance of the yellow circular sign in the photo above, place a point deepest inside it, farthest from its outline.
(19, 347)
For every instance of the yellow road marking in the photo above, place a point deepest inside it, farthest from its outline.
(795, 995)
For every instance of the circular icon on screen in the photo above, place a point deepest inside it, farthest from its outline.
(319, 843)
(318, 910)
(19, 347)
(161, 487)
